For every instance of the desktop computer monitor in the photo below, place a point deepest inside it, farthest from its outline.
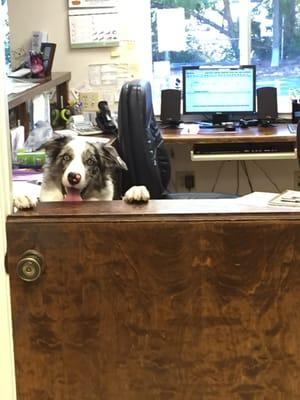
(210, 92)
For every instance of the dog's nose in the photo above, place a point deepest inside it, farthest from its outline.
(74, 178)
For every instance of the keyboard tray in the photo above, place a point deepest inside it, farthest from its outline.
(243, 151)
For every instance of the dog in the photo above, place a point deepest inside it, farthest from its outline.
(77, 168)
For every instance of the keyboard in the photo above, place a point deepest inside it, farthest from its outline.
(292, 128)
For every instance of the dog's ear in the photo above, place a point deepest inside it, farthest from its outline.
(54, 145)
(111, 156)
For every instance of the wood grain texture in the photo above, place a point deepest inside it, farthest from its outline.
(154, 210)
(150, 310)
(253, 134)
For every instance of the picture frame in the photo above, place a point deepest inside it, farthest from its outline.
(48, 51)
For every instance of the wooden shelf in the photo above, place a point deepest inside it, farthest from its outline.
(18, 102)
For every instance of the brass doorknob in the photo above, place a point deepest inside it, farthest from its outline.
(30, 266)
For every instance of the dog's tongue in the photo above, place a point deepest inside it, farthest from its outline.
(73, 195)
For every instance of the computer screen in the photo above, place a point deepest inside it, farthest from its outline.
(219, 89)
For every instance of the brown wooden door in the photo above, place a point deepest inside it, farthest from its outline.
(156, 307)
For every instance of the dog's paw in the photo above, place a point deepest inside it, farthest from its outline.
(137, 194)
(25, 195)
(24, 202)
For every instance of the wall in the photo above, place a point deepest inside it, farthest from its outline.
(264, 175)
(51, 16)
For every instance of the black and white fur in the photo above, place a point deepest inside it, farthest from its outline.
(80, 164)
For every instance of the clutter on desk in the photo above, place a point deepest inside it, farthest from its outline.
(60, 116)
(28, 175)
(104, 119)
(30, 159)
(40, 134)
(41, 61)
(40, 109)
(17, 140)
(20, 73)
(288, 198)
(15, 86)
(38, 37)
(29, 155)
(83, 127)
(48, 51)
(36, 64)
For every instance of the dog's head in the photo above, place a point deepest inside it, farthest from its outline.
(81, 164)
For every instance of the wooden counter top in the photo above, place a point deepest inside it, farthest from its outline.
(188, 134)
(157, 210)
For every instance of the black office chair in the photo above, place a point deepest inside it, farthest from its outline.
(142, 147)
(298, 142)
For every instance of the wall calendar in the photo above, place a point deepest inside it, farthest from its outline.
(93, 23)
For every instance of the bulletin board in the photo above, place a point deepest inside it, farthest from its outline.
(93, 23)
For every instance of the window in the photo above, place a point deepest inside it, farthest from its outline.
(228, 32)
(275, 37)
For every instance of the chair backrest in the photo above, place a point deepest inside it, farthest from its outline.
(140, 141)
(298, 142)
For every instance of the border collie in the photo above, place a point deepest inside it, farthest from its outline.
(78, 168)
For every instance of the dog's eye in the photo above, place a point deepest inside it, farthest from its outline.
(91, 161)
(66, 157)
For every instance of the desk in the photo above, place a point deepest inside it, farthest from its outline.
(277, 133)
(202, 306)
(251, 136)
(57, 80)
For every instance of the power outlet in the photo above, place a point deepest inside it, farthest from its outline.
(297, 179)
(180, 180)
(90, 100)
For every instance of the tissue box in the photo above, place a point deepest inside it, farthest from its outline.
(32, 159)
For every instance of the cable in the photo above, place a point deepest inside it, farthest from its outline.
(244, 165)
(218, 175)
(267, 176)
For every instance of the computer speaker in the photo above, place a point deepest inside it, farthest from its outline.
(170, 106)
(266, 105)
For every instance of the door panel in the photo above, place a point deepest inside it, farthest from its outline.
(139, 309)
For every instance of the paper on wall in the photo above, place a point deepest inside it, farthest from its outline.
(171, 37)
